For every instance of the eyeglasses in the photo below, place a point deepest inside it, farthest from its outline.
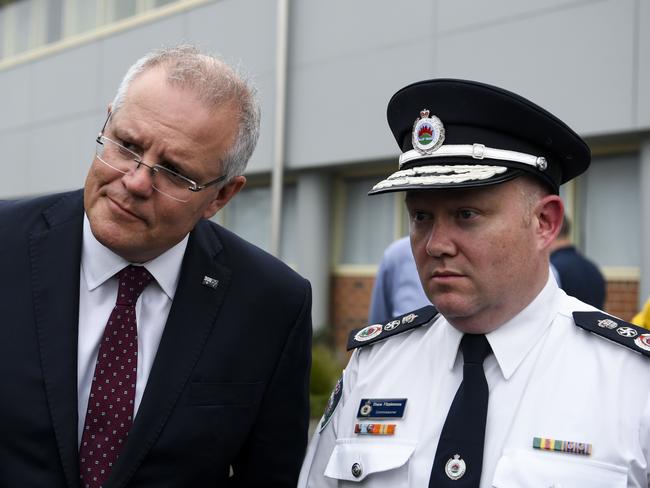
(164, 180)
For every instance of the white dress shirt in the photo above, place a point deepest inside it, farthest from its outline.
(547, 378)
(97, 296)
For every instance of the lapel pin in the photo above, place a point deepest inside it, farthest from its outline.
(211, 282)
(562, 446)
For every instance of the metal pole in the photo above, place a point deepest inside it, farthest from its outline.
(277, 175)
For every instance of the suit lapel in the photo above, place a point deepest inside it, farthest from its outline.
(191, 319)
(55, 263)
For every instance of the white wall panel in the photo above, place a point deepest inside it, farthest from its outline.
(241, 31)
(643, 62)
(262, 158)
(118, 52)
(66, 83)
(337, 108)
(15, 97)
(14, 161)
(61, 153)
(323, 30)
(467, 14)
(578, 63)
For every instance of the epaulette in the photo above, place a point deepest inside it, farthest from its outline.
(616, 330)
(378, 332)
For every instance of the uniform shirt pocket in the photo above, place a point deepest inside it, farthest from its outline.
(518, 468)
(354, 461)
(225, 394)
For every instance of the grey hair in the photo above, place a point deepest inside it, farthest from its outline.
(214, 83)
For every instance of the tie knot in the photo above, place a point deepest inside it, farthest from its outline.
(132, 281)
(475, 348)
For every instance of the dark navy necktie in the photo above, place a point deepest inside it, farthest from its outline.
(459, 457)
(112, 394)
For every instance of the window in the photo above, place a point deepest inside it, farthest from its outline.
(369, 223)
(28, 24)
(610, 210)
(249, 216)
(81, 15)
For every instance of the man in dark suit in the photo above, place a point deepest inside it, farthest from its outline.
(210, 388)
(577, 275)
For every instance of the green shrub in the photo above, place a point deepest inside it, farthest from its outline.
(325, 371)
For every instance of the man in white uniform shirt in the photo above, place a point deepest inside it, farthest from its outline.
(505, 381)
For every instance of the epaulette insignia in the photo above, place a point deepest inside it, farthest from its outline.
(378, 332)
(617, 330)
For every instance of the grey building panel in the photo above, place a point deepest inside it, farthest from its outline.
(337, 108)
(118, 52)
(322, 31)
(60, 154)
(578, 63)
(242, 32)
(14, 161)
(643, 62)
(262, 159)
(454, 15)
(66, 84)
(15, 97)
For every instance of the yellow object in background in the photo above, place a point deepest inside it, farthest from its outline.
(643, 317)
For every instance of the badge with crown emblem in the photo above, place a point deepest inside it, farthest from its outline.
(428, 133)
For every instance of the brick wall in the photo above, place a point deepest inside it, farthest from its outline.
(349, 306)
(622, 299)
(351, 300)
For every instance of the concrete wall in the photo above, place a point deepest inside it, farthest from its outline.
(583, 60)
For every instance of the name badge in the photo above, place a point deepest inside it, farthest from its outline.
(381, 408)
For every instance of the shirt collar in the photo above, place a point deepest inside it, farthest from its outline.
(99, 263)
(513, 340)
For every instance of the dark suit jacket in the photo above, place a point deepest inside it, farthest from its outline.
(228, 387)
(579, 277)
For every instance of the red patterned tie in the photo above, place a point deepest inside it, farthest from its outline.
(112, 393)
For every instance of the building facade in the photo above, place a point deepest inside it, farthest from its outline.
(325, 72)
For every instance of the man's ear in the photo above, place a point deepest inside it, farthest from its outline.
(225, 194)
(549, 214)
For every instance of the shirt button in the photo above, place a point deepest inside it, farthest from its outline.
(356, 470)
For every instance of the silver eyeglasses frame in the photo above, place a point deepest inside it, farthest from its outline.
(192, 185)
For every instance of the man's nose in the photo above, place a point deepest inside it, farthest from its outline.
(440, 241)
(139, 180)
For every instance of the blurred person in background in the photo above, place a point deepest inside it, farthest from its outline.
(576, 275)
(397, 287)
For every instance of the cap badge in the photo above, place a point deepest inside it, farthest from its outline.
(428, 133)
